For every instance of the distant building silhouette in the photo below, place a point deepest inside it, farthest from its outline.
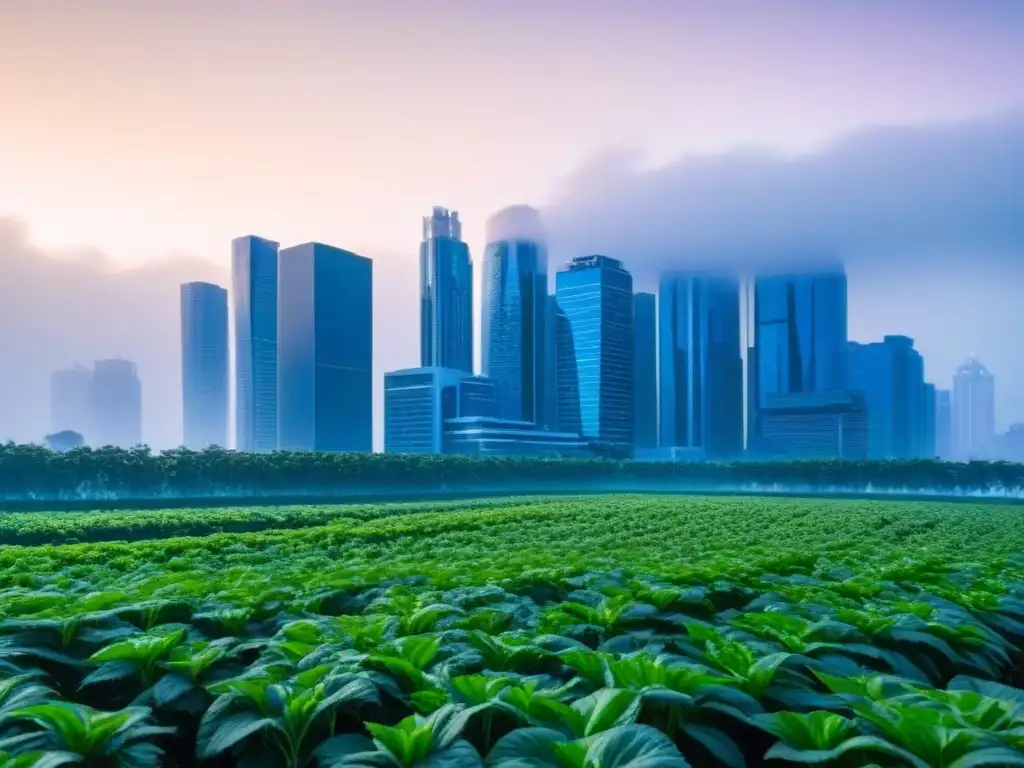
(204, 365)
(514, 303)
(65, 440)
(701, 366)
(943, 424)
(551, 364)
(595, 350)
(974, 405)
(116, 404)
(446, 294)
(71, 400)
(254, 292)
(799, 338)
(890, 375)
(1009, 446)
(645, 371)
(928, 449)
(325, 349)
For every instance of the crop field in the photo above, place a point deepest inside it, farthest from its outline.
(581, 632)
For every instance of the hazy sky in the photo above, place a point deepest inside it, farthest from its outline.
(137, 137)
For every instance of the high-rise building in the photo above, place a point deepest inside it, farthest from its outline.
(943, 424)
(799, 337)
(645, 371)
(446, 294)
(928, 450)
(551, 365)
(254, 292)
(890, 376)
(71, 401)
(974, 408)
(701, 369)
(204, 365)
(324, 349)
(595, 350)
(116, 404)
(513, 333)
(418, 402)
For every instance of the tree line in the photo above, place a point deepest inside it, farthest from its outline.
(36, 472)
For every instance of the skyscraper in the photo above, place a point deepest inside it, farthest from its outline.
(515, 290)
(974, 421)
(325, 349)
(943, 424)
(551, 364)
(71, 401)
(701, 368)
(890, 376)
(595, 350)
(204, 365)
(446, 294)
(800, 337)
(254, 289)
(116, 404)
(928, 450)
(645, 371)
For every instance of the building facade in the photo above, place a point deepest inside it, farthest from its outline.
(799, 338)
(418, 402)
(595, 350)
(446, 294)
(944, 424)
(815, 425)
(71, 401)
(254, 292)
(974, 409)
(116, 404)
(928, 449)
(324, 349)
(701, 370)
(890, 376)
(514, 308)
(204, 365)
(645, 371)
(489, 436)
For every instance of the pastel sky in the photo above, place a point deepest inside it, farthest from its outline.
(137, 137)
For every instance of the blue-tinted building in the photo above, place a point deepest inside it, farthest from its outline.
(514, 304)
(489, 436)
(116, 404)
(701, 365)
(418, 401)
(325, 349)
(890, 375)
(551, 365)
(595, 350)
(254, 288)
(928, 449)
(204, 365)
(815, 425)
(446, 294)
(645, 371)
(800, 337)
(943, 424)
(71, 401)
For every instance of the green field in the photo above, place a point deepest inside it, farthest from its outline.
(585, 632)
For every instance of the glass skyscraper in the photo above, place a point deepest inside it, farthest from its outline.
(204, 365)
(515, 291)
(974, 409)
(800, 337)
(324, 349)
(595, 350)
(446, 294)
(116, 404)
(254, 290)
(701, 364)
(645, 371)
(943, 424)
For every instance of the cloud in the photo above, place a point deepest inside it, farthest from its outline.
(929, 220)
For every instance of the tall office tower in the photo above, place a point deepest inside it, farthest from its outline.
(204, 365)
(943, 424)
(595, 350)
(645, 371)
(928, 450)
(254, 290)
(513, 334)
(446, 294)
(551, 364)
(974, 408)
(116, 404)
(890, 376)
(324, 349)
(800, 337)
(701, 368)
(71, 401)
